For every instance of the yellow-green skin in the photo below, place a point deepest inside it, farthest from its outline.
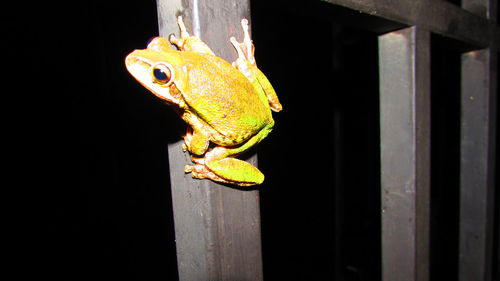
(229, 105)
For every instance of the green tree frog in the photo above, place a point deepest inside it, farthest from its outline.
(226, 104)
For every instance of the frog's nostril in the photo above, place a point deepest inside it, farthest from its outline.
(130, 59)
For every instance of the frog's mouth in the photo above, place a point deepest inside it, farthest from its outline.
(140, 68)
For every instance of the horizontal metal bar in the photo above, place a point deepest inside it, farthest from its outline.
(435, 16)
(483, 8)
(405, 153)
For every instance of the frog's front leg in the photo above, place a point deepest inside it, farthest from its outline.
(188, 42)
(197, 137)
(247, 65)
(196, 141)
(245, 49)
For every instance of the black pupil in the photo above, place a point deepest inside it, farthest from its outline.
(160, 75)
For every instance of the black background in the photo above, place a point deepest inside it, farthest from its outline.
(92, 144)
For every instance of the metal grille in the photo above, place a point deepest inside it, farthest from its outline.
(217, 228)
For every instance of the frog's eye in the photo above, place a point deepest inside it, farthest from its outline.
(162, 74)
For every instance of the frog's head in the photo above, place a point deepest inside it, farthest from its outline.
(160, 69)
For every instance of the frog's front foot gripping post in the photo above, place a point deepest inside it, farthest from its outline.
(247, 65)
(188, 42)
(245, 49)
(183, 31)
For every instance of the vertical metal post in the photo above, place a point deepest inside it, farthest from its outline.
(405, 153)
(477, 172)
(477, 165)
(217, 228)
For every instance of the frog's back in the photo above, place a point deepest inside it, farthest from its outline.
(224, 98)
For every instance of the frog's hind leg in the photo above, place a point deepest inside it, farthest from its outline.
(227, 170)
(219, 164)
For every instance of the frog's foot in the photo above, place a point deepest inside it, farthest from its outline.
(246, 64)
(188, 42)
(246, 48)
(227, 170)
(201, 172)
(184, 34)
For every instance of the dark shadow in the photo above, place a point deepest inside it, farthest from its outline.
(320, 202)
(445, 157)
(101, 146)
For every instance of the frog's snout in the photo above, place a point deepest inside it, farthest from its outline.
(133, 59)
(136, 64)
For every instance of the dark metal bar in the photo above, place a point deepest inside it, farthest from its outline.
(217, 228)
(405, 153)
(479, 89)
(439, 17)
(479, 76)
(482, 8)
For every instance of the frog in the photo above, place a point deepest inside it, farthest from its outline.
(227, 106)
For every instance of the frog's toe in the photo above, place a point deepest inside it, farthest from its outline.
(188, 169)
(246, 39)
(238, 48)
(182, 27)
(199, 171)
(246, 48)
(173, 39)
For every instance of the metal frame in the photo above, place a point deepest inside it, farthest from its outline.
(218, 228)
(477, 165)
(405, 153)
(405, 129)
(468, 24)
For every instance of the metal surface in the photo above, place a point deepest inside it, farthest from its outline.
(439, 17)
(405, 189)
(217, 228)
(483, 8)
(477, 174)
(405, 153)
(477, 165)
